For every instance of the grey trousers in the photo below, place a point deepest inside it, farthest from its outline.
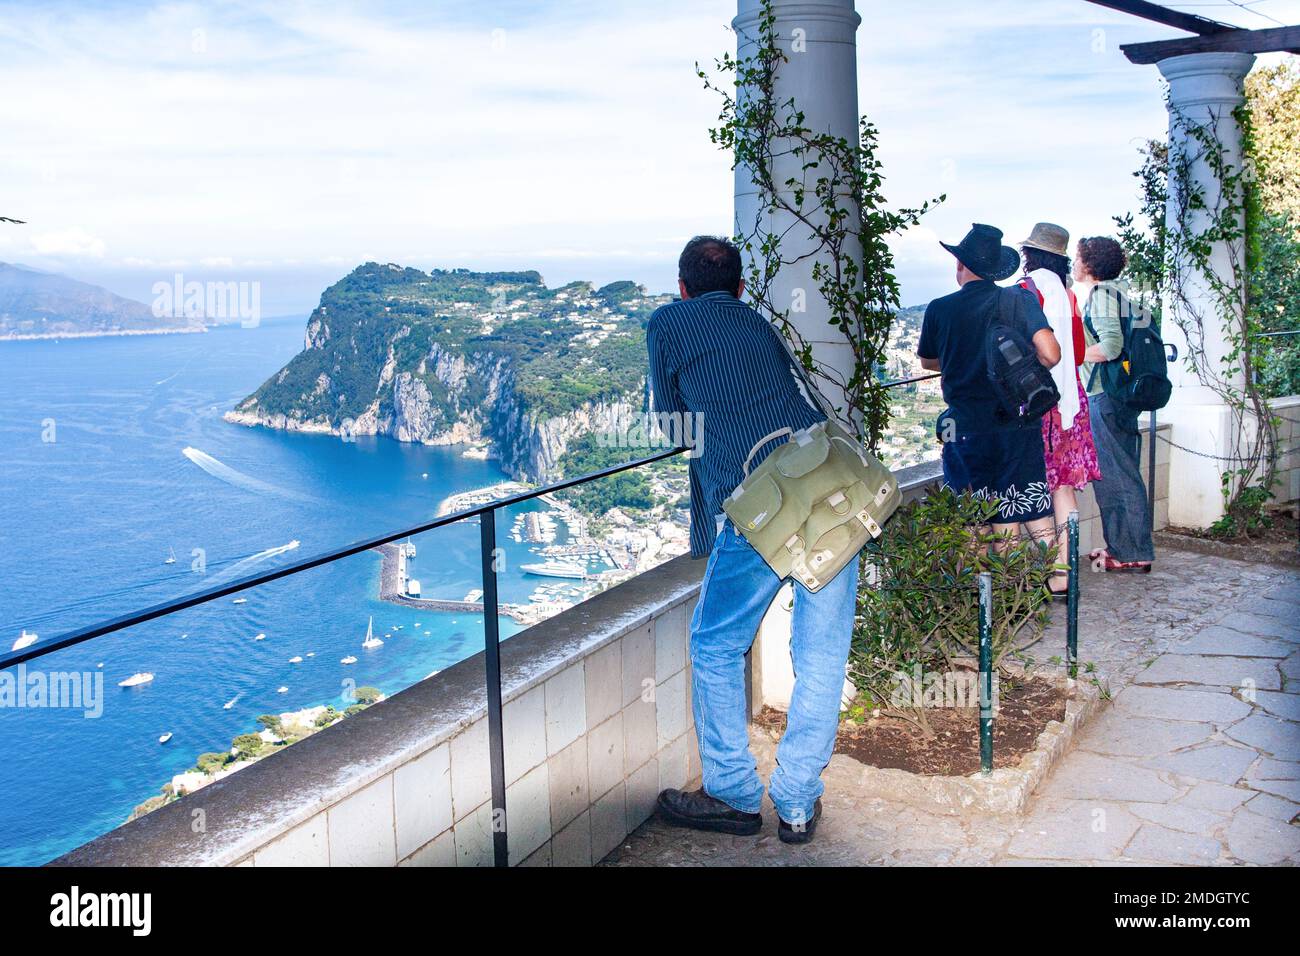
(1121, 495)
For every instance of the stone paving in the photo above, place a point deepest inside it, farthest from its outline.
(1194, 760)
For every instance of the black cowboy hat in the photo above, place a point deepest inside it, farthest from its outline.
(982, 253)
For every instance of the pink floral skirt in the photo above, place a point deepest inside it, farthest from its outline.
(1070, 454)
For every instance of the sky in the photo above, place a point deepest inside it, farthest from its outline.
(285, 143)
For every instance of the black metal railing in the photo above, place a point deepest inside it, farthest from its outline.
(492, 650)
(491, 606)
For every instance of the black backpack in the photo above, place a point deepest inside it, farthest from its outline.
(1024, 387)
(1139, 378)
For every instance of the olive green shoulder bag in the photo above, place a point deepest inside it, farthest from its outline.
(815, 501)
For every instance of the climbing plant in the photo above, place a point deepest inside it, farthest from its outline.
(830, 211)
(1174, 261)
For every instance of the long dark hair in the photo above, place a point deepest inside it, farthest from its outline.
(1039, 259)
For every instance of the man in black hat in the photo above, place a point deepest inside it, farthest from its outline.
(982, 451)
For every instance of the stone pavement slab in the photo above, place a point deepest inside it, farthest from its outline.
(1217, 639)
(1181, 704)
(1216, 671)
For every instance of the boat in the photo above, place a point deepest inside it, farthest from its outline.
(311, 653)
(25, 639)
(371, 641)
(555, 569)
(135, 680)
(239, 601)
(230, 703)
(171, 557)
(295, 660)
(165, 737)
(282, 690)
(348, 660)
(260, 636)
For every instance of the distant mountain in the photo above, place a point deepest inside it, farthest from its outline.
(36, 305)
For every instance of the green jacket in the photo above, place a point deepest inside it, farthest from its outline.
(1104, 307)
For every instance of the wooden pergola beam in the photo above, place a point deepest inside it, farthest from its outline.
(1170, 18)
(1272, 40)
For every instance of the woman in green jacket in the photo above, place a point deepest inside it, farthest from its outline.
(1121, 495)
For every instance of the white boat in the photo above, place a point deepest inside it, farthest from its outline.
(239, 601)
(25, 639)
(230, 703)
(555, 569)
(295, 660)
(171, 557)
(282, 690)
(135, 680)
(371, 641)
(348, 660)
(183, 636)
(165, 737)
(260, 636)
(311, 653)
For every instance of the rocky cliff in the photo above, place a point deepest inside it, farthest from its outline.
(451, 357)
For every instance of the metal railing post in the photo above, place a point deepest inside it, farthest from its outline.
(1151, 472)
(986, 672)
(492, 658)
(1072, 600)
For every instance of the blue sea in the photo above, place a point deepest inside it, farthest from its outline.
(97, 489)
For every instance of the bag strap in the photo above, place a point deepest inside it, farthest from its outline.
(760, 443)
(1092, 330)
(814, 395)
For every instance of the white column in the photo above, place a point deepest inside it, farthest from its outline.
(820, 39)
(1205, 88)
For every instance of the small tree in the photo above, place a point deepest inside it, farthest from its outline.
(247, 745)
(211, 762)
(271, 722)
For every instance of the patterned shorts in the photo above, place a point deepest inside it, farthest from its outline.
(1004, 465)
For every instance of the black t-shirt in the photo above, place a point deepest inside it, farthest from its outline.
(955, 332)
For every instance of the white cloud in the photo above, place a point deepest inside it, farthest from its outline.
(74, 243)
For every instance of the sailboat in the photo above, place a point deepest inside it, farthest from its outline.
(371, 641)
(171, 557)
(26, 639)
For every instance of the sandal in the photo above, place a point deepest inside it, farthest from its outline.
(1060, 595)
(1102, 560)
(1127, 567)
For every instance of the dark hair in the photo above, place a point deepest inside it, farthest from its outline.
(709, 264)
(1102, 257)
(1041, 259)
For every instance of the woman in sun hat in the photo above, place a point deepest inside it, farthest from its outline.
(1068, 449)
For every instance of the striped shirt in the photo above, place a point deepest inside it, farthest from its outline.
(714, 358)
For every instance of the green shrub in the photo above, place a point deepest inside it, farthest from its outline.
(918, 606)
(248, 745)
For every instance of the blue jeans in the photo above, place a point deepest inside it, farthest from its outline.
(738, 586)
(1121, 495)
